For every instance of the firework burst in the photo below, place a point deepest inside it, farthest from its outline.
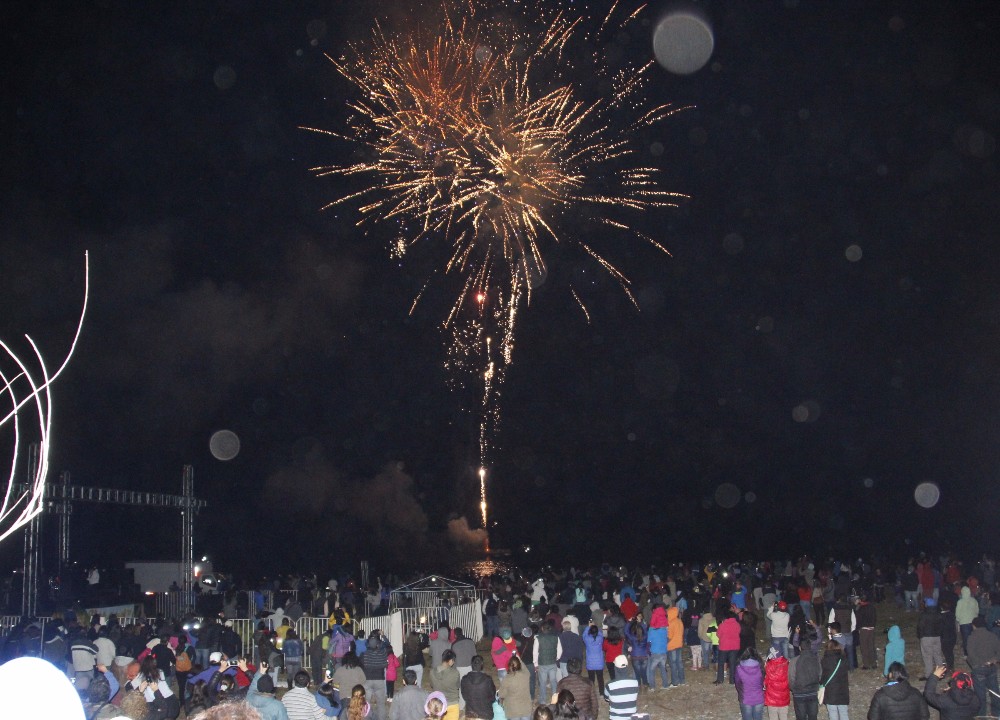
(477, 141)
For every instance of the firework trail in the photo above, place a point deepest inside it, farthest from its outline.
(479, 136)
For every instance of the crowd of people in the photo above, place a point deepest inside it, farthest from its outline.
(564, 645)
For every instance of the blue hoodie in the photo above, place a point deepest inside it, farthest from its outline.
(895, 649)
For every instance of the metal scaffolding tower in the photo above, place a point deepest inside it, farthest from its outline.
(59, 498)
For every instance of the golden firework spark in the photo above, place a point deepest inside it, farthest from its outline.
(476, 140)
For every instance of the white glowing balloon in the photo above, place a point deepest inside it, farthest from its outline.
(683, 43)
(224, 445)
(927, 494)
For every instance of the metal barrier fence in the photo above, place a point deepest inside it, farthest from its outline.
(395, 626)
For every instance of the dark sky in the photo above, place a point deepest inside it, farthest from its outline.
(165, 140)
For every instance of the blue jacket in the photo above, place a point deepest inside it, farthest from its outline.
(658, 641)
(636, 648)
(595, 649)
(268, 707)
(895, 649)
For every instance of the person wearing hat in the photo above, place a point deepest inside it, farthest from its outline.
(778, 617)
(261, 696)
(436, 706)
(622, 692)
(959, 702)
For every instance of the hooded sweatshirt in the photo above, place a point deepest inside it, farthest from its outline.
(675, 630)
(967, 608)
(895, 649)
(776, 693)
(750, 682)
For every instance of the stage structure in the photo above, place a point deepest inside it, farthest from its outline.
(59, 498)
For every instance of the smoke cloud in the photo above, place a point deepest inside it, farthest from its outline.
(463, 536)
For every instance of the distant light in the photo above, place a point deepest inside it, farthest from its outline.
(204, 558)
(150, 592)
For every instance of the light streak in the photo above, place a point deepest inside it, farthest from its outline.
(17, 510)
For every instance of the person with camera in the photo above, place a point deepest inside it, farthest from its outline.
(261, 695)
(959, 702)
(778, 616)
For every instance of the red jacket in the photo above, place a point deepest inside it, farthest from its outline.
(776, 683)
(629, 608)
(612, 650)
(729, 635)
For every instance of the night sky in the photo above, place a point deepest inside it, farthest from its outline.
(165, 140)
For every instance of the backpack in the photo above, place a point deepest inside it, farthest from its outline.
(341, 644)
(183, 663)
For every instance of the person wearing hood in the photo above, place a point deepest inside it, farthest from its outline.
(929, 636)
(658, 636)
(804, 678)
(897, 699)
(959, 702)
(895, 649)
(478, 691)
(984, 654)
(750, 685)
(675, 646)
(502, 650)
(966, 609)
(776, 695)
